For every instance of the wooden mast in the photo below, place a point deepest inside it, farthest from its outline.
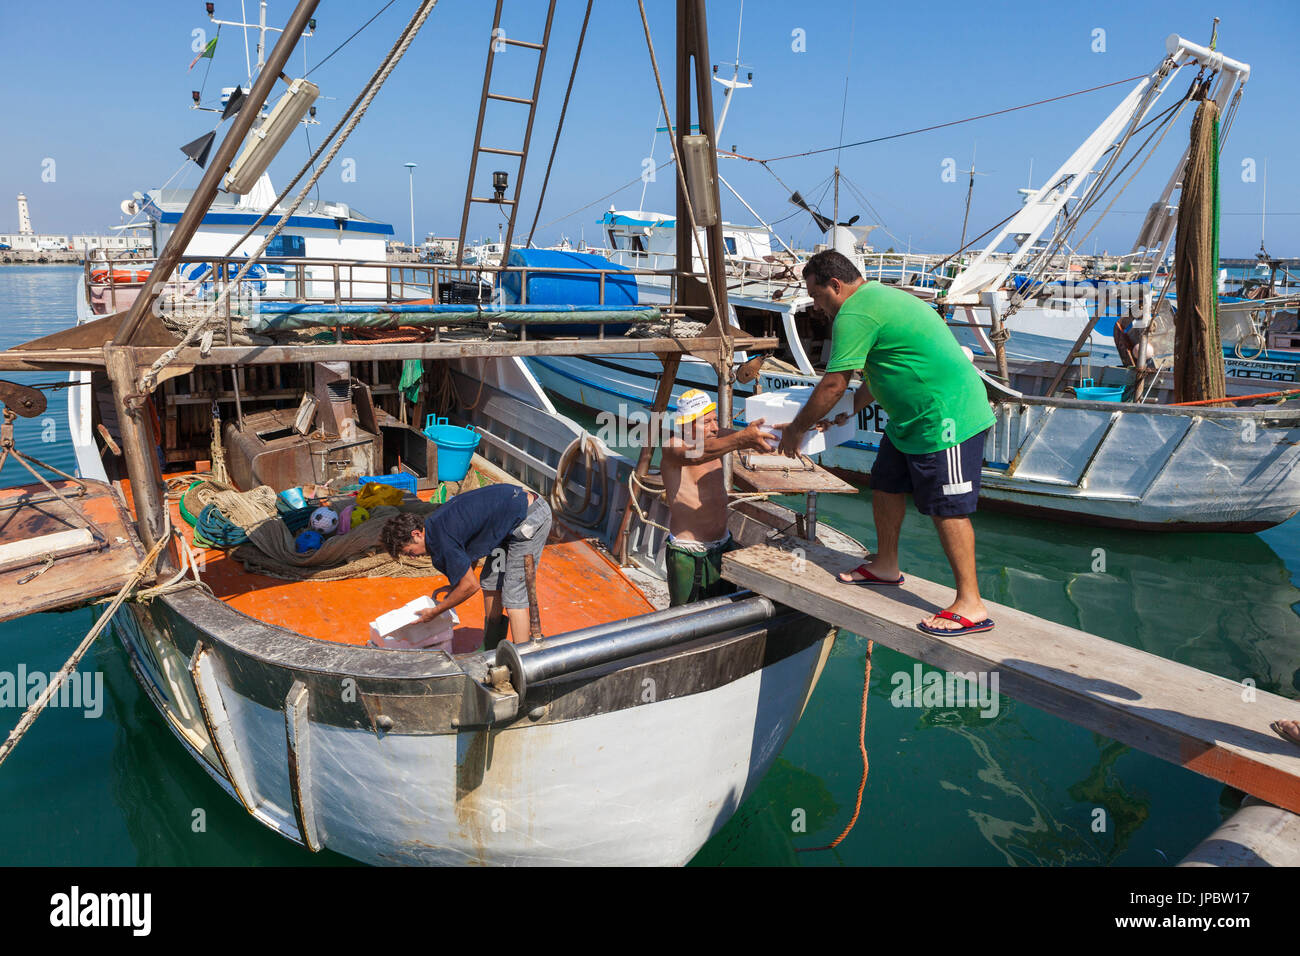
(693, 44)
(138, 439)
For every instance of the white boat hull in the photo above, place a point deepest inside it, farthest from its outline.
(639, 786)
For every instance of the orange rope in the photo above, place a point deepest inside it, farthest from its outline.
(1237, 398)
(862, 746)
(386, 335)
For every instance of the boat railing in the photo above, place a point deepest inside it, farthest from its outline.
(334, 291)
(343, 281)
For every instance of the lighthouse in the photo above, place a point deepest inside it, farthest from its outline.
(24, 218)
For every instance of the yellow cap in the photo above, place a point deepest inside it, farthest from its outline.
(692, 405)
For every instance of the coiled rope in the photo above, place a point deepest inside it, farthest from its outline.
(593, 460)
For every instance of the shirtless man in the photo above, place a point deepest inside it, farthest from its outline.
(691, 467)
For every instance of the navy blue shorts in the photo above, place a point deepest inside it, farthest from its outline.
(944, 483)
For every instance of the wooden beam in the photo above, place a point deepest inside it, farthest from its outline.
(1209, 724)
(59, 359)
(357, 352)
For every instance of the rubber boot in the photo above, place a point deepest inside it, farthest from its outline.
(495, 631)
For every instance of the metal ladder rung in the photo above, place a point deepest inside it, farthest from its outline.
(500, 152)
(522, 43)
(510, 99)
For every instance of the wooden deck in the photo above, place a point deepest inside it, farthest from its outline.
(577, 585)
(1205, 723)
(27, 512)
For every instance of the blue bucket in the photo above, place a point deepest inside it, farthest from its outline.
(1099, 393)
(455, 447)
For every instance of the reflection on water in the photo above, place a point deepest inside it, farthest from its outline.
(949, 786)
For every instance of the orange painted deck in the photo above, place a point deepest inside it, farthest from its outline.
(577, 586)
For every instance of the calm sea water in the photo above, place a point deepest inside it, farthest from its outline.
(947, 786)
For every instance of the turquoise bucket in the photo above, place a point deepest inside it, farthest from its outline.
(455, 447)
(1099, 393)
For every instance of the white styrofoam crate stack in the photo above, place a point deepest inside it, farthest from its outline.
(400, 630)
(779, 408)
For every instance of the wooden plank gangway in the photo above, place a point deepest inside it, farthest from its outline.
(1209, 724)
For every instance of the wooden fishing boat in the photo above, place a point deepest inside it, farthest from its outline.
(627, 734)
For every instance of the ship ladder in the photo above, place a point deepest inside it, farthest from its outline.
(498, 41)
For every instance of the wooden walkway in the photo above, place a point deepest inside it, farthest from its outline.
(1175, 712)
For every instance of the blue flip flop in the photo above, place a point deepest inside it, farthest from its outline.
(967, 625)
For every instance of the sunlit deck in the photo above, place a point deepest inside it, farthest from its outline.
(577, 586)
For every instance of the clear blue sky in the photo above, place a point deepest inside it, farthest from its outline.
(102, 89)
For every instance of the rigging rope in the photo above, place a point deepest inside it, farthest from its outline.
(149, 379)
(560, 125)
(681, 182)
(348, 40)
(34, 711)
(927, 129)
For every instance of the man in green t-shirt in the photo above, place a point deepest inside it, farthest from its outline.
(933, 446)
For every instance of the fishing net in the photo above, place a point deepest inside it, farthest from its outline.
(1198, 344)
(263, 540)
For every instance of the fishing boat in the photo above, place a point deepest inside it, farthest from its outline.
(1135, 465)
(623, 732)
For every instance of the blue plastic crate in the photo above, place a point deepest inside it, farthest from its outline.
(404, 481)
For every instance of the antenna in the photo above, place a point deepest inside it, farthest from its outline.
(733, 84)
(970, 188)
(1263, 208)
(262, 31)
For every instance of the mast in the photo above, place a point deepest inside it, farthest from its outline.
(138, 441)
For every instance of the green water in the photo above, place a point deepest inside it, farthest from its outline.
(947, 786)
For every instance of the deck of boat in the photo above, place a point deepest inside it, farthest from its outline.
(1209, 724)
(578, 586)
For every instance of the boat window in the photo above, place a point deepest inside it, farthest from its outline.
(287, 246)
(638, 244)
(730, 243)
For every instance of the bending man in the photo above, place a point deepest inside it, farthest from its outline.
(501, 523)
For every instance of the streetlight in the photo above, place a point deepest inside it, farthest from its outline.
(410, 169)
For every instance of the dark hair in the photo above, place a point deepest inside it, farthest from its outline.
(397, 532)
(829, 264)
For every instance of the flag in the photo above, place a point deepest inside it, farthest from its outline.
(234, 103)
(207, 52)
(198, 149)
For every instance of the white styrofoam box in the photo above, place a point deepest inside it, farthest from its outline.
(779, 408)
(400, 629)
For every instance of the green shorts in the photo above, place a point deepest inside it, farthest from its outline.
(695, 573)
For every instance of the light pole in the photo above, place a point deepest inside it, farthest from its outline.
(410, 169)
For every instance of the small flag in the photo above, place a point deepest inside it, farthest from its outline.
(233, 104)
(198, 149)
(207, 52)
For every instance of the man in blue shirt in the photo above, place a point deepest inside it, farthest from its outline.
(502, 523)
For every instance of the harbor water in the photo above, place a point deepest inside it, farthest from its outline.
(1003, 784)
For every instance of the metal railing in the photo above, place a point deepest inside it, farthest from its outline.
(200, 281)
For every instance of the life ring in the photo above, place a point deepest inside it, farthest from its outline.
(120, 276)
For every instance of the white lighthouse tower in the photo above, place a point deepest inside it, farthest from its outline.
(24, 218)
